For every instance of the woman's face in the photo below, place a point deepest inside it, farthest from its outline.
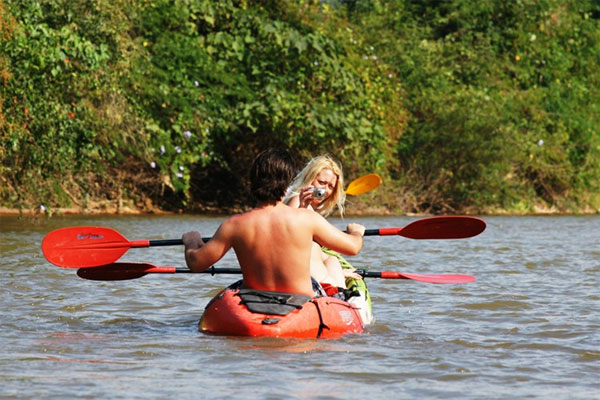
(326, 179)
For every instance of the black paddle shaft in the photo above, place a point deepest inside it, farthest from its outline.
(170, 242)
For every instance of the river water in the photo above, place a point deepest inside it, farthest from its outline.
(529, 327)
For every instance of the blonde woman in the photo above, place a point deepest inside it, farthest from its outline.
(320, 187)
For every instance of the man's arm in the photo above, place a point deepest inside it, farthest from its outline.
(331, 237)
(199, 255)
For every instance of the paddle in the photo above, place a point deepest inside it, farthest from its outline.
(92, 246)
(448, 227)
(125, 271)
(363, 184)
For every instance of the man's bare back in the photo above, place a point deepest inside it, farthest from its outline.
(273, 246)
(273, 241)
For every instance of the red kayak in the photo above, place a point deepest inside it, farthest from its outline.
(249, 312)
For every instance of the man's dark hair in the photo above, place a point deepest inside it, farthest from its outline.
(271, 174)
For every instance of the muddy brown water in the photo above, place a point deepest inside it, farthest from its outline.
(529, 327)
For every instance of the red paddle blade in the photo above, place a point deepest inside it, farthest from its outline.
(430, 278)
(448, 227)
(122, 271)
(84, 246)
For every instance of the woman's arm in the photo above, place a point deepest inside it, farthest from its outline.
(331, 237)
(294, 201)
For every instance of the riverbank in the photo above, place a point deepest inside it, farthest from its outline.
(355, 210)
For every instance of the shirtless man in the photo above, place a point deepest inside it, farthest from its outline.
(272, 242)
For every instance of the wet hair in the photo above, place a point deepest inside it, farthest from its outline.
(270, 175)
(308, 175)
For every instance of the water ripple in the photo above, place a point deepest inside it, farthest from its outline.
(527, 328)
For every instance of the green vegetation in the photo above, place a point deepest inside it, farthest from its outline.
(462, 106)
(502, 99)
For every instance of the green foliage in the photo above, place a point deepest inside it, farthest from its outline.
(191, 87)
(58, 100)
(240, 77)
(464, 106)
(502, 99)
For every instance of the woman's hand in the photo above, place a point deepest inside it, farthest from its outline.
(354, 228)
(306, 197)
(349, 273)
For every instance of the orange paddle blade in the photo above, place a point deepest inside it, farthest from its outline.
(363, 184)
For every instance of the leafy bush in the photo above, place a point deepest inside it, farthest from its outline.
(502, 99)
(463, 106)
(63, 116)
(221, 80)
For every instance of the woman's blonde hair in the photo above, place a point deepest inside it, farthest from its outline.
(309, 173)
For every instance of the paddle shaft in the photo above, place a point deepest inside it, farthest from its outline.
(126, 271)
(362, 272)
(164, 242)
(175, 242)
(237, 271)
(438, 228)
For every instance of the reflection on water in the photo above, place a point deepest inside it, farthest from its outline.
(528, 327)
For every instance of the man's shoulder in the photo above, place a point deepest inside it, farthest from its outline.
(302, 212)
(279, 211)
(245, 217)
(236, 219)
